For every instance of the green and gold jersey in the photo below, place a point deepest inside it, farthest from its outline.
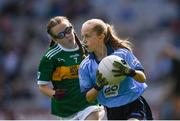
(60, 66)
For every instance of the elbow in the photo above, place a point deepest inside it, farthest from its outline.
(140, 77)
(143, 78)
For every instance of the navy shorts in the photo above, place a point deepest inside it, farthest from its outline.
(138, 109)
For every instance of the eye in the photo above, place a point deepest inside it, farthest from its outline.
(61, 35)
(68, 30)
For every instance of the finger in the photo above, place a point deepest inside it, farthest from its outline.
(100, 81)
(117, 64)
(106, 83)
(117, 71)
(98, 75)
(103, 79)
(127, 70)
(116, 75)
(97, 72)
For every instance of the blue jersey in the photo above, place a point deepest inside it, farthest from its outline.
(112, 95)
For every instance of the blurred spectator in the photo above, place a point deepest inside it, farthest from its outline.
(172, 51)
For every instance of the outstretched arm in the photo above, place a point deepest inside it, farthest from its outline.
(57, 94)
(46, 90)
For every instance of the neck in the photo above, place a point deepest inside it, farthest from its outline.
(69, 45)
(101, 52)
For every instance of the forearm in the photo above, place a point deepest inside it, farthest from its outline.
(46, 90)
(140, 76)
(91, 95)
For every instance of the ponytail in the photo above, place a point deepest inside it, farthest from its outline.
(82, 49)
(51, 43)
(115, 41)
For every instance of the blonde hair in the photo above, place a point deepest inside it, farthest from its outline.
(100, 27)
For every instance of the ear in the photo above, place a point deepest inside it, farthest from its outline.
(51, 38)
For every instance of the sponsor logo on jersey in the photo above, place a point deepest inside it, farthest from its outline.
(60, 59)
(74, 56)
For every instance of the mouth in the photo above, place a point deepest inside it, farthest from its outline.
(70, 38)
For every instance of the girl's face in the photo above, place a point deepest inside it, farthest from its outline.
(90, 37)
(64, 32)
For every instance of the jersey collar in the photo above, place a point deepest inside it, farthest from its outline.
(66, 49)
(110, 50)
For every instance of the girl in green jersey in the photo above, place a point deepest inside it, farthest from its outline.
(59, 65)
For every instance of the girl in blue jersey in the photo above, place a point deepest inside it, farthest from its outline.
(122, 101)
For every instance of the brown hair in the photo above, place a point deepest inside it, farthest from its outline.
(100, 27)
(58, 20)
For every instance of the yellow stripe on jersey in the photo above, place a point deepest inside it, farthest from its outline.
(65, 72)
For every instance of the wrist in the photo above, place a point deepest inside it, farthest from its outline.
(98, 88)
(132, 73)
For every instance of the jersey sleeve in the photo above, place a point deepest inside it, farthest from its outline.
(133, 62)
(84, 80)
(45, 70)
(129, 57)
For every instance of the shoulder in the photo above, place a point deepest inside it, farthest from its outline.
(122, 52)
(52, 51)
(49, 53)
